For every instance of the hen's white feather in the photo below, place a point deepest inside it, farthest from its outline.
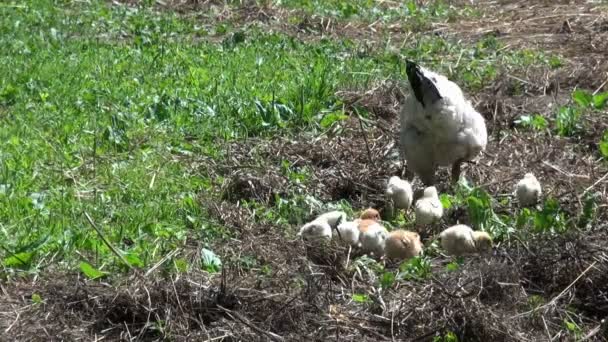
(440, 133)
(333, 217)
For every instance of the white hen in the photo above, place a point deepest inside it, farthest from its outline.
(334, 218)
(528, 190)
(400, 192)
(439, 127)
(428, 208)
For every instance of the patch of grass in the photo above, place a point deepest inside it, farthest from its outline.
(407, 12)
(105, 107)
(104, 102)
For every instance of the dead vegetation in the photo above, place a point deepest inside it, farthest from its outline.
(510, 296)
(526, 291)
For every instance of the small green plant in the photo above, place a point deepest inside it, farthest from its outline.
(573, 328)
(535, 301)
(551, 218)
(589, 211)
(36, 298)
(567, 120)
(91, 272)
(555, 61)
(603, 145)
(448, 337)
(180, 265)
(332, 118)
(416, 268)
(361, 298)
(387, 280)
(210, 261)
(585, 99)
(536, 122)
(452, 266)
(481, 212)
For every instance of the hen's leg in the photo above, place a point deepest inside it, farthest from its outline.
(456, 171)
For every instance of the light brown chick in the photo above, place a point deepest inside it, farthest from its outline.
(402, 244)
(370, 214)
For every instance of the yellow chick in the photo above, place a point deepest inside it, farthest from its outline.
(461, 240)
(428, 208)
(400, 192)
(528, 190)
(372, 237)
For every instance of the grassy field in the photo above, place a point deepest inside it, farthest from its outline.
(158, 158)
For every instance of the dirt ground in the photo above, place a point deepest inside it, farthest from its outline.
(525, 291)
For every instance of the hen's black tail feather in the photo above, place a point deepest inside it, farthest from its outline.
(421, 85)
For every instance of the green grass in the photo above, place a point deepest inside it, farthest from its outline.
(407, 13)
(102, 106)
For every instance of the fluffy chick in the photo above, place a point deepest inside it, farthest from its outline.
(528, 190)
(316, 230)
(439, 126)
(372, 236)
(400, 192)
(348, 233)
(370, 214)
(428, 208)
(461, 239)
(401, 244)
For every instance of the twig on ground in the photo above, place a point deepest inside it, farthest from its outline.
(112, 248)
(240, 318)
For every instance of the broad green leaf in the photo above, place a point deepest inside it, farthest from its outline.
(211, 262)
(90, 271)
(22, 259)
(600, 100)
(332, 118)
(582, 98)
(446, 201)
